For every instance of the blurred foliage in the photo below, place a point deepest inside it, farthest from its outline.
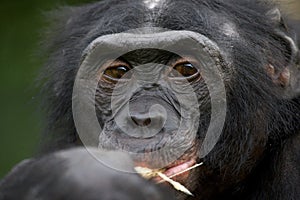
(291, 8)
(20, 121)
(21, 23)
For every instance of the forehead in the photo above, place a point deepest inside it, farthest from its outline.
(151, 4)
(206, 17)
(142, 56)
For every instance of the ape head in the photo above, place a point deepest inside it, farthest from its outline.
(175, 83)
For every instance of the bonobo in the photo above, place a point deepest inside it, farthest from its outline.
(166, 85)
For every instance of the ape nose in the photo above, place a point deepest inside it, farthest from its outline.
(147, 121)
(141, 119)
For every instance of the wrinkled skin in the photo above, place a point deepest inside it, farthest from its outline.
(258, 153)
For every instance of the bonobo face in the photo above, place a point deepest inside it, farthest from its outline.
(174, 83)
(155, 97)
(157, 94)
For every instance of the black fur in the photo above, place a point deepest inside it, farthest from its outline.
(62, 176)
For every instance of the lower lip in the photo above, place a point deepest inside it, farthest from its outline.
(179, 168)
(170, 172)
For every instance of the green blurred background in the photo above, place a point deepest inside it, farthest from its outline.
(21, 23)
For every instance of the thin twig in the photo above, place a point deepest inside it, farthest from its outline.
(188, 169)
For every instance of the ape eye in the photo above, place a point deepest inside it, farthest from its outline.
(116, 72)
(184, 69)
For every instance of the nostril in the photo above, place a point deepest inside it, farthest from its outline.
(141, 120)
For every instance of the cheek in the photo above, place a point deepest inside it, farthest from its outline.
(102, 107)
(107, 98)
(202, 92)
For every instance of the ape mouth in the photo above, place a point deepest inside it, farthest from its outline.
(180, 170)
(175, 172)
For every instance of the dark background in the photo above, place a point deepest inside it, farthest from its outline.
(21, 25)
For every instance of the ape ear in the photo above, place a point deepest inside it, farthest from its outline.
(289, 77)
